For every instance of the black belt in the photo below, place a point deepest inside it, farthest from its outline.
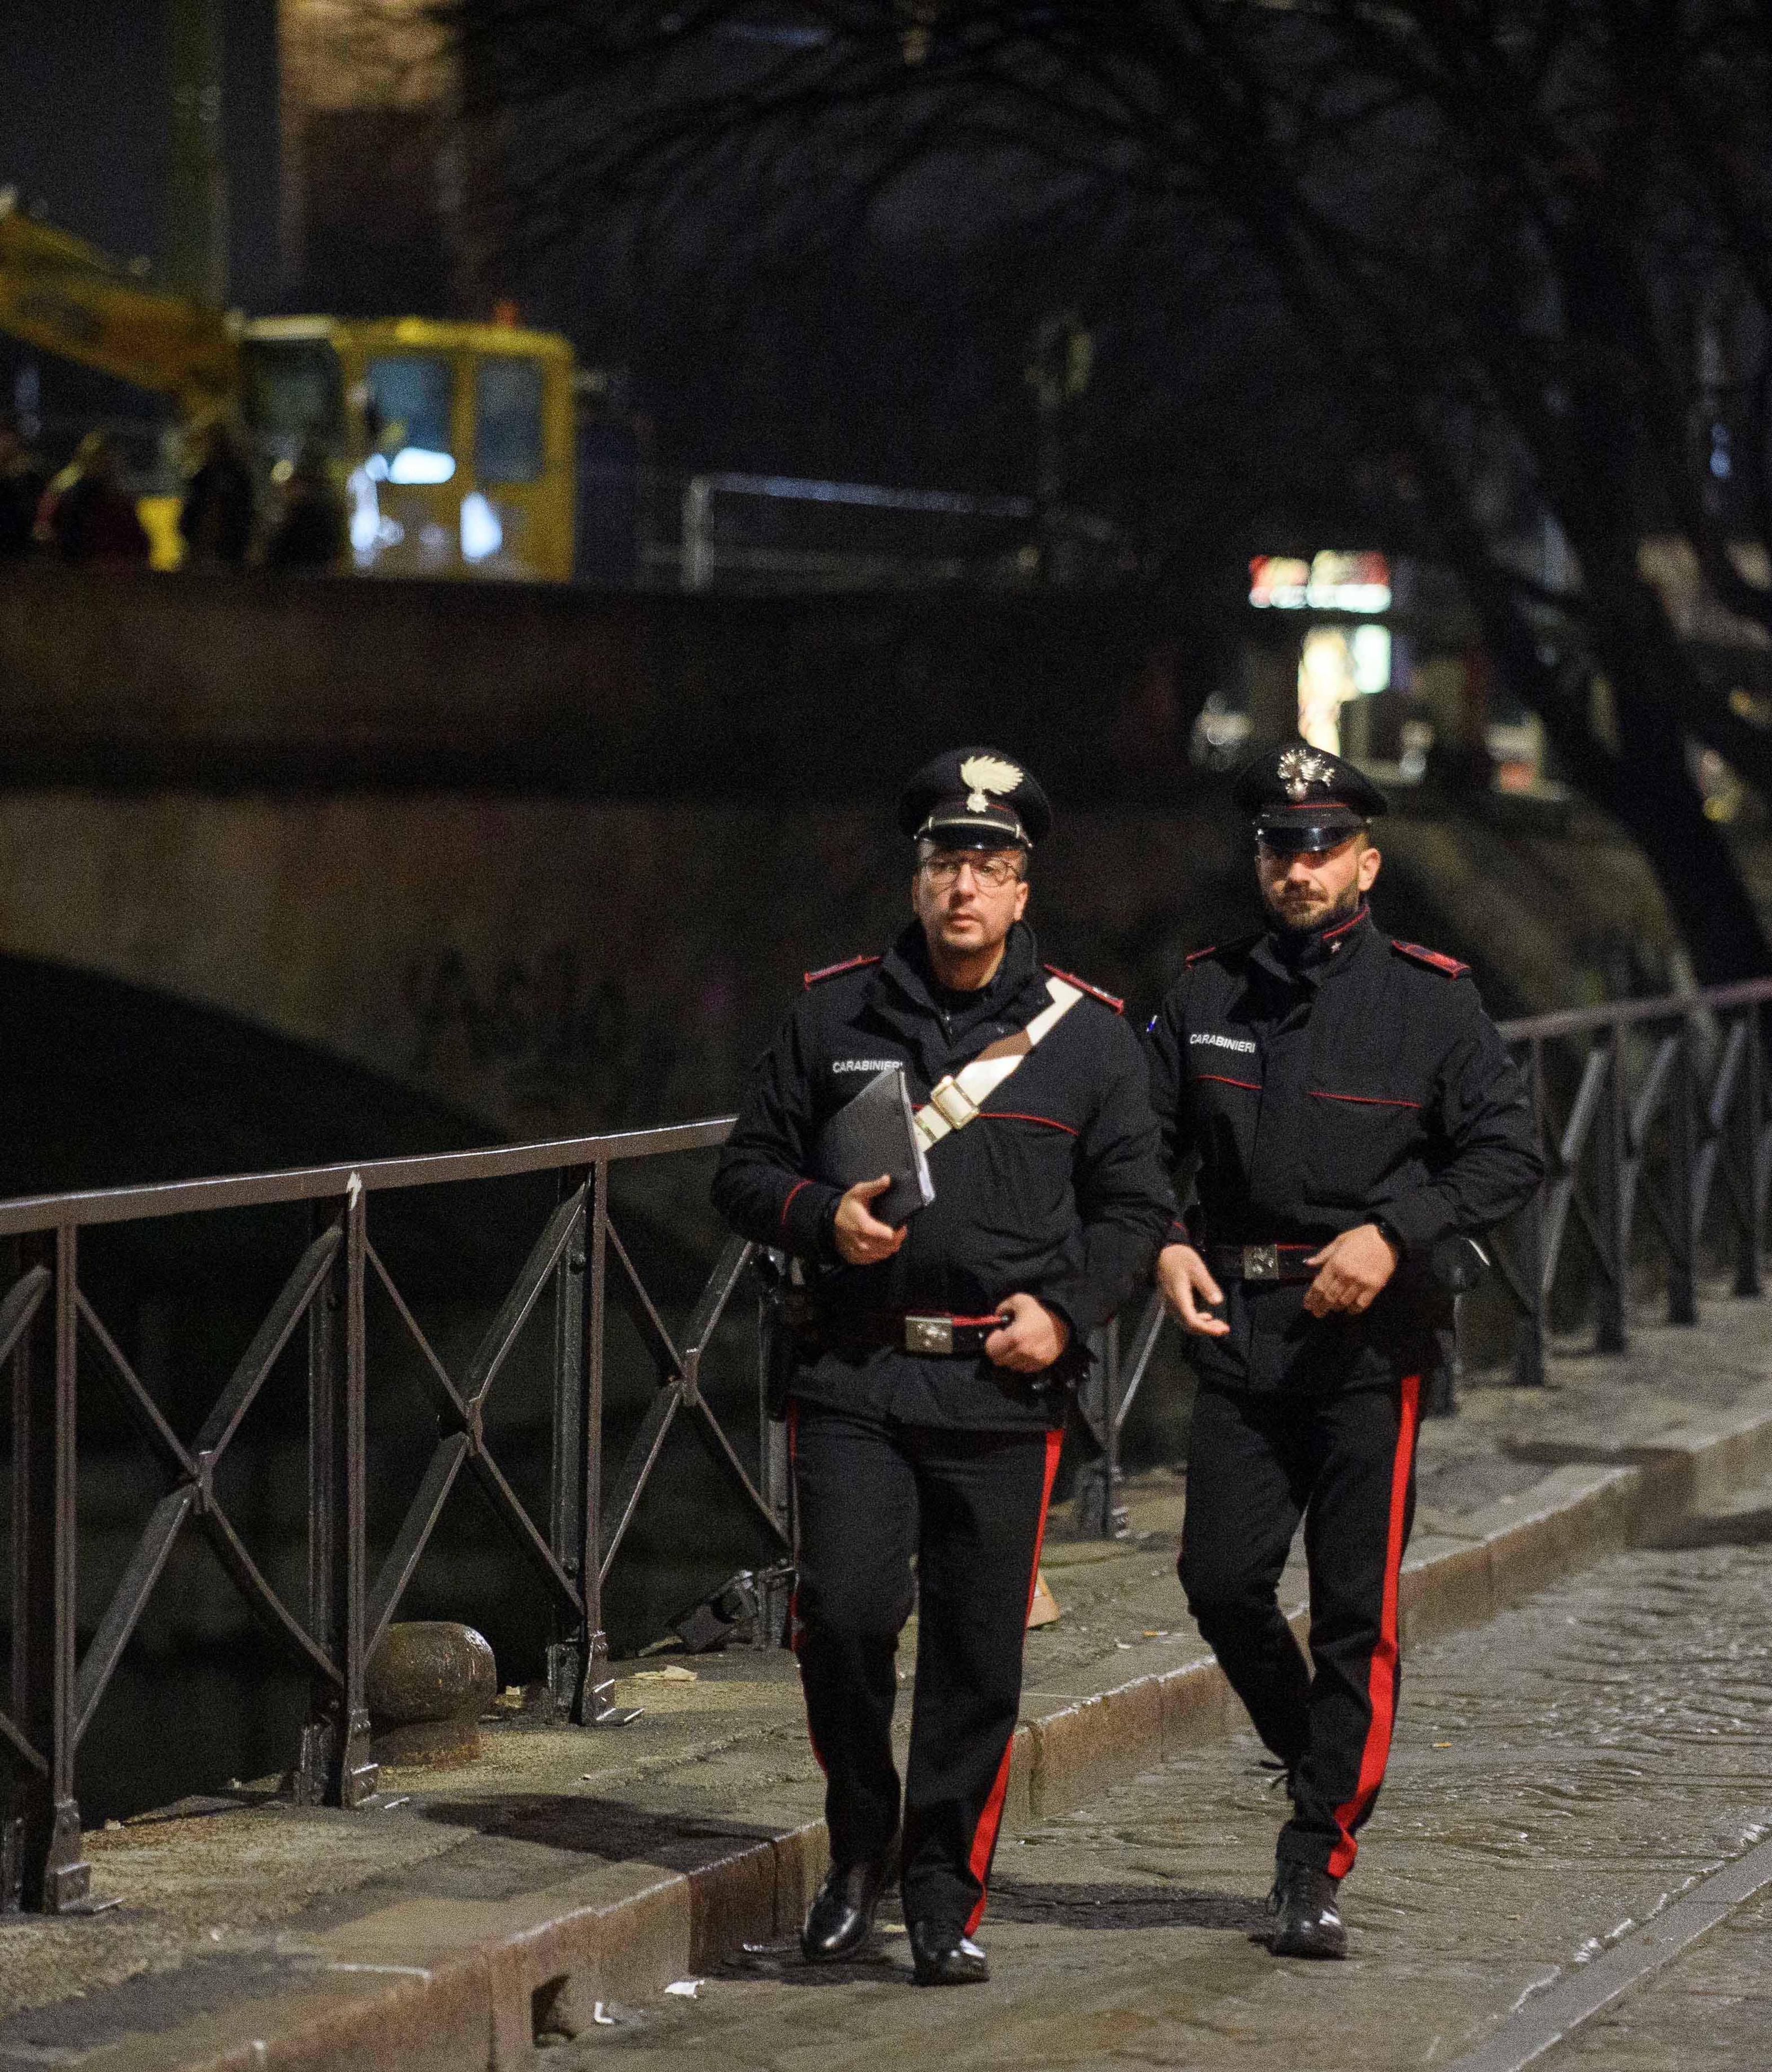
(1263, 1262)
(930, 1333)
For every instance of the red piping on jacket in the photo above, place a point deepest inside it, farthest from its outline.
(1219, 1079)
(1342, 927)
(792, 1191)
(1011, 1115)
(1381, 1675)
(1364, 1100)
(985, 1834)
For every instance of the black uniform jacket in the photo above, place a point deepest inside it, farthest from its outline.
(1364, 1083)
(1056, 1190)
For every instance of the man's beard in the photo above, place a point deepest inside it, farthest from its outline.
(1311, 919)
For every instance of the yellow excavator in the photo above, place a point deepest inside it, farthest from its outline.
(454, 442)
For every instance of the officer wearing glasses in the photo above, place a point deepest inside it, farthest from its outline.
(926, 1407)
(1346, 1108)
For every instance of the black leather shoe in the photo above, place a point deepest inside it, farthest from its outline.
(839, 1919)
(944, 1957)
(1306, 1921)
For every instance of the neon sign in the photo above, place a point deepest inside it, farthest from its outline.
(1328, 582)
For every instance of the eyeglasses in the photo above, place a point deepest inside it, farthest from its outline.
(990, 873)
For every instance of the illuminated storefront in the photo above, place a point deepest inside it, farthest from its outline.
(1341, 660)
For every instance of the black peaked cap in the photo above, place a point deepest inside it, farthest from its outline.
(975, 798)
(1299, 797)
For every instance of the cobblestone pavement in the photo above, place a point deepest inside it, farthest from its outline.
(1559, 1774)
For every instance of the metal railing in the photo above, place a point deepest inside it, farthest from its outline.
(1653, 1120)
(50, 1332)
(1673, 1092)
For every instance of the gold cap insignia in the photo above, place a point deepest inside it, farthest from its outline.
(982, 775)
(1300, 768)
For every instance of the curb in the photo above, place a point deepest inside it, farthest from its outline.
(463, 1985)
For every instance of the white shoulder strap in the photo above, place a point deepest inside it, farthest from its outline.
(957, 1098)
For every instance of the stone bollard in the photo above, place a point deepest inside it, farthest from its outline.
(427, 1685)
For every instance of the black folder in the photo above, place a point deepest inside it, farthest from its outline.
(875, 1133)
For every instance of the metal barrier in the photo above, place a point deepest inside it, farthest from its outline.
(47, 1322)
(1673, 1089)
(1679, 1084)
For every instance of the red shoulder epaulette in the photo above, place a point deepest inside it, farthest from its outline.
(1082, 985)
(831, 971)
(1450, 966)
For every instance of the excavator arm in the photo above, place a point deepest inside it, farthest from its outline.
(66, 297)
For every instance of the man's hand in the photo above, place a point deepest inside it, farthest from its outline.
(1353, 1269)
(1188, 1288)
(861, 1238)
(1033, 1337)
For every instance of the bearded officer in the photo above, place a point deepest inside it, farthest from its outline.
(926, 1409)
(1351, 1115)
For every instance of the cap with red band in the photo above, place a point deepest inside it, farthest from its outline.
(1300, 798)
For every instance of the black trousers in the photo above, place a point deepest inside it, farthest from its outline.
(970, 1507)
(1344, 1463)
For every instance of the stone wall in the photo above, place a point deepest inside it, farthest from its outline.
(558, 861)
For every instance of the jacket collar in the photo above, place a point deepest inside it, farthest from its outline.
(905, 972)
(1325, 951)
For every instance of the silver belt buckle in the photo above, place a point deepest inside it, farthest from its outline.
(928, 1334)
(1261, 1262)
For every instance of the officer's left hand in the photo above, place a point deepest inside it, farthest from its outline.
(1352, 1271)
(1032, 1339)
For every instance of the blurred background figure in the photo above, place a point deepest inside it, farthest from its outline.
(86, 514)
(216, 519)
(309, 530)
(21, 490)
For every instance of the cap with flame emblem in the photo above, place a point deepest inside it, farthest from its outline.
(975, 798)
(1302, 797)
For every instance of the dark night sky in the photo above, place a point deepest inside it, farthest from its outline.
(84, 125)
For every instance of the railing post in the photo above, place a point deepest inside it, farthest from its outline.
(1612, 1305)
(698, 562)
(595, 1700)
(333, 1765)
(356, 1773)
(312, 1774)
(775, 1467)
(1098, 1399)
(40, 1860)
(335, 1762)
(1529, 1337)
(1682, 1160)
(1750, 1251)
(566, 1493)
(1440, 1398)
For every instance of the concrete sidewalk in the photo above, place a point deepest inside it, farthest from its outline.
(469, 1911)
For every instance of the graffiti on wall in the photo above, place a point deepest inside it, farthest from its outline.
(560, 1044)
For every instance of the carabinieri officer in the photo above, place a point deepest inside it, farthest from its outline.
(927, 1404)
(1349, 1109)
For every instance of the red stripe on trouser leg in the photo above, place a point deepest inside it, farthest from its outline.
(793, 1601)
(984, 1847)
(1381, 1676)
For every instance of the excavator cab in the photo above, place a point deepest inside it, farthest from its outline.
(453, 441)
